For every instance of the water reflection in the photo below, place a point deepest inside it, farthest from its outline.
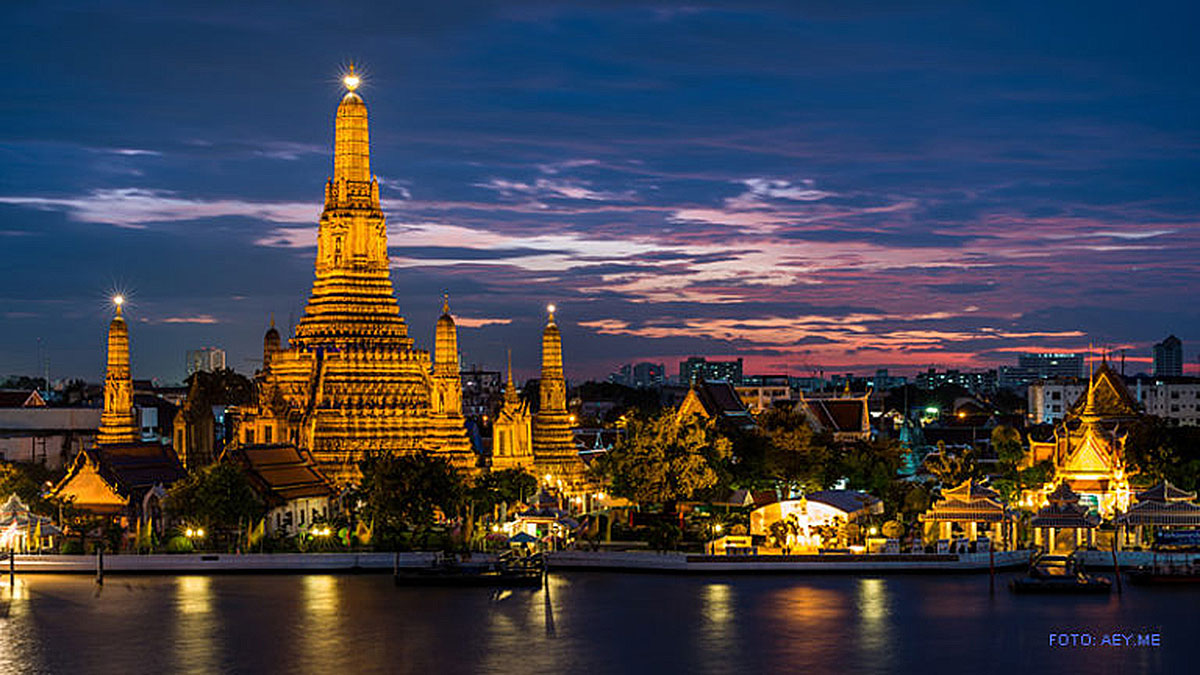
(320, 620)
(195, 625)
(875, 621)
(718, 630)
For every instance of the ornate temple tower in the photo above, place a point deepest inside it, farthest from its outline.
(446, 395)
(512, 435)
(553, 444)
(118, 422)
(271, 344)
(350, 382)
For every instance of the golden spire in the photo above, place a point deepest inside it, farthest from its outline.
(510, 390)
(351, 146)
(445, 342)
(118, 423)
(445, 303)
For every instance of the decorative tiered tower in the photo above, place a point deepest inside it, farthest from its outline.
(350, 382)
(553, 444)
(118, 422)
(512, 431)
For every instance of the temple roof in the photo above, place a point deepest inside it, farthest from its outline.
(1107, 397)
(839, 415)
(1175, 513)
(281, 472)
(22, 398)
(1064, 511)
(129, 467)
(715, 399)
(969, 502)
(1164, 492)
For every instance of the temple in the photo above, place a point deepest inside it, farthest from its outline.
(554, 453)
(512, 432)
(118, 422)
(1088, 448)
(350, 382)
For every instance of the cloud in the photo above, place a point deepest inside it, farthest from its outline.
(762, 189)
(200, 319)
(549, 188)
(469, 322)
(136, 208)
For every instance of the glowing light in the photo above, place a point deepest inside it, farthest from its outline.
(551, 308)
(351, 80)
(717, 528)
(200, 532)
(118, 300)
(874, 531)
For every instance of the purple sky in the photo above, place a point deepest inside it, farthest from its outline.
(828, 185)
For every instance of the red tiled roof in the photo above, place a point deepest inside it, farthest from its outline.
(838, 415)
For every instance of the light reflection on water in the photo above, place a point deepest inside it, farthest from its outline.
(195, 642)
(593, 623)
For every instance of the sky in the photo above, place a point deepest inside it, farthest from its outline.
(814, 186)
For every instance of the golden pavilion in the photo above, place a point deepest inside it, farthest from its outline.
(1088, 448)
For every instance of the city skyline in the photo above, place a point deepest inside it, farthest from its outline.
(829, 188)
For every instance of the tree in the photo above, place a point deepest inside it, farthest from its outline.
(893, 529)
(27, 482)
(1165, 452)
(218, 497)
(406, 492)
(794, 455)
(870, 466)
(952, 468)
(222, 387)
(1006, 441)
(662, 460)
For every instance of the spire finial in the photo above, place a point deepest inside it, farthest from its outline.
(550, 309)
(272, 319)
(510, 382)
(119, 301)
(445, 303)
(351, 80)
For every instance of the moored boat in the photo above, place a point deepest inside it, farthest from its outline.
(507, 571)
(1059, 574)
(1167, 572)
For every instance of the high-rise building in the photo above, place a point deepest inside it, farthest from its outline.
(1168, 357)
(1041, 366)
(700, 368)
(207, 359)
(644, 375)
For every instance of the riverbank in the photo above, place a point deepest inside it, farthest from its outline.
(564, 561)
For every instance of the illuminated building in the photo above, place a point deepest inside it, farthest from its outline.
(208, 359)
(1088, 448)
(512, 433)
(118, 422)
(969, 510)
(122, 477)
(350, 381)
(554, 452)
(700, 368)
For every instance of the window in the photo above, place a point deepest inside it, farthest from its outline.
(301, 516)
(249, 436)
(266, 434)
(1056, 396)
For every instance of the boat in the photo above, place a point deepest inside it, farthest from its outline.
(1168, 572)
(1059, 574)
(508, 571)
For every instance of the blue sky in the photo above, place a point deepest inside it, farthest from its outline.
(828, 185)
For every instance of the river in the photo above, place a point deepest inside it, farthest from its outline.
(583, 623)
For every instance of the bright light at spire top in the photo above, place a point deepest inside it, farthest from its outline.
(550, 308)
(351, 79)
(118, 300)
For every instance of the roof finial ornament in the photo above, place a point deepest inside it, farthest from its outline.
(351, 80)
(550, 309)
(445, 303)
(272, 319)
(119, 301)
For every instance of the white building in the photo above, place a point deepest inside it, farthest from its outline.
(1176, 399)
(1048, 400)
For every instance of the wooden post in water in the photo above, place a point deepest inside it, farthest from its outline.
(100, 565)
(1116, 567)
(12, 569)
(396, 569)
(992, 570)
